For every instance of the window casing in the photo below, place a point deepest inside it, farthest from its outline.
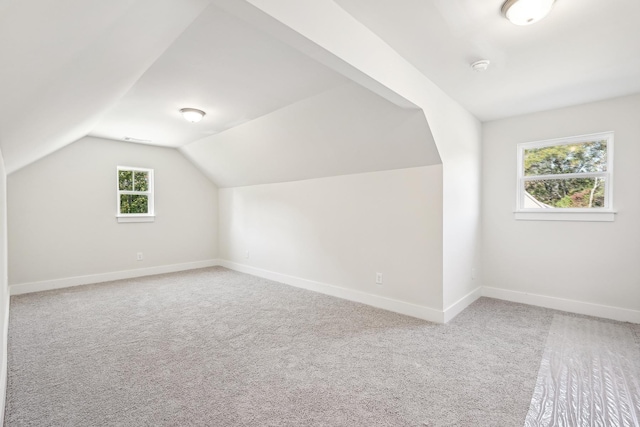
(134, 194)
(566, 179)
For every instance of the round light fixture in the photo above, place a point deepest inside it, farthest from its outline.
(140, 140)
(526, 12)
(481, 65)
(192, 115)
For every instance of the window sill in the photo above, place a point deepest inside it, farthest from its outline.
(136, 218)
(600, 216)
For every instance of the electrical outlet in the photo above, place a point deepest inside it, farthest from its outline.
(139, 256)
(473, 274)
(379, 278)
(246, 254)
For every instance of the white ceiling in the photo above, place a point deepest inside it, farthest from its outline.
(125, 68)
(64, 63)
(223, 66)
(585, 50)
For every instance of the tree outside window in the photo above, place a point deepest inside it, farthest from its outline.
(571, 173)
(135, 191)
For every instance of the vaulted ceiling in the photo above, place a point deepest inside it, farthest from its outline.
(124, 68)
(221, 65)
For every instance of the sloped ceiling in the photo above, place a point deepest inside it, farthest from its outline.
(67, 62)
(342, 131)
(223, 66)
(124, 68)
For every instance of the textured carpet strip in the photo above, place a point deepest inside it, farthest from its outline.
(588, 376)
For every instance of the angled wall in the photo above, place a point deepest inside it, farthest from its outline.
(344, 130)
(329, 191)
(371, 62)
(62, 214)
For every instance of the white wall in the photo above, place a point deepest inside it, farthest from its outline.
(461, 149)
(61, 212)
(593, 262)
(456, 132)
(341, 230)
(4, 288)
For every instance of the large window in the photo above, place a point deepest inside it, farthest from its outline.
(566, 176)
(135, 194)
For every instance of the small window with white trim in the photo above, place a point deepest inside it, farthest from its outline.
(566, 179)
(135, 194)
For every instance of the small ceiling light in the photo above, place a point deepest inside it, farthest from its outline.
(481, 65)
(132, 139)
(525, 12)
(192, 115)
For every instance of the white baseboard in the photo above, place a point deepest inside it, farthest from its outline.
(3, 359)
(402, 307)
(572, 306)
(457, 307)
(47, 285)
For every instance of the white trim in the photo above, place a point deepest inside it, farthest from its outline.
(572, 306)
(564, 176)
(136, 218)
(402, 307)
(457, 307)
(4, 376)
(546, 215)
(47, 285)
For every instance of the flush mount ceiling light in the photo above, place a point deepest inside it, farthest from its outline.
(481, 65)
(192, 115)
(526, 12)
(132, 139)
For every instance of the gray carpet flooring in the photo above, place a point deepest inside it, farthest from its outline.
(214, 347)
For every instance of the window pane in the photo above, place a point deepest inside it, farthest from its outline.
(125, 180)
(133, 204)
(564, 193)
(571, 158)
(141, 181)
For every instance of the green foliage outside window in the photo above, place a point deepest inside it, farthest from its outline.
(133, 203)
(125, 180)
(585, 157)
(134, 181)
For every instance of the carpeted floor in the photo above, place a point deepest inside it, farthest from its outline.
(213, 347)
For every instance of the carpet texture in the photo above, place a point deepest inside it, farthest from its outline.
(214, 347)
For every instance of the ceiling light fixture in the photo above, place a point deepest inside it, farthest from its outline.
(525, 12)
(192, 115)
(481, 65)
(132, 139)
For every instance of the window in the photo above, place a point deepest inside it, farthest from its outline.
(566, 179)
(135, 194)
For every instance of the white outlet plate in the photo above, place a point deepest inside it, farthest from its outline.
(379, 278)
(139, 256)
